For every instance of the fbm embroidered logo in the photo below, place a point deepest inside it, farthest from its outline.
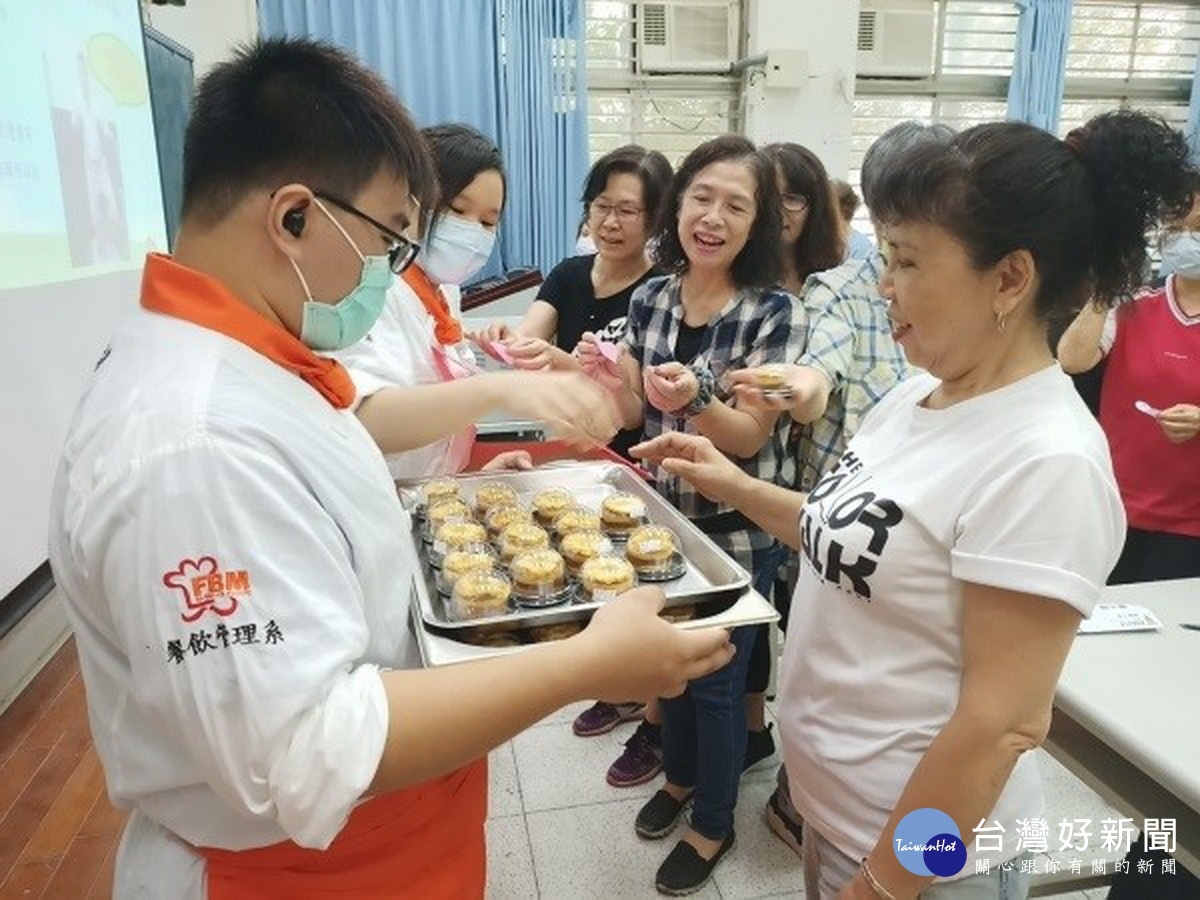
(205, 587)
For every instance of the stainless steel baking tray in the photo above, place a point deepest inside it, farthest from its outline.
(712, 580)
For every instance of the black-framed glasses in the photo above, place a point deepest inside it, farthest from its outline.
(400, 252)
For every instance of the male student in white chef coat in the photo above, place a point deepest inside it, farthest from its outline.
(229, 541)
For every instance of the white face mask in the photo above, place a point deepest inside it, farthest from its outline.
(456, 249)
(1181, 253)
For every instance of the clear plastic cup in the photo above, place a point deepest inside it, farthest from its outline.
(481, 595)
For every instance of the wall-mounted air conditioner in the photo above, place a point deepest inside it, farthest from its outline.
(896, 38)
(687, 36)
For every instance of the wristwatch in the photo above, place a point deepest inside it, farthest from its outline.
(706, 388)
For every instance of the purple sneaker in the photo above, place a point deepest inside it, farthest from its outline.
(642, 759)
(601, 717)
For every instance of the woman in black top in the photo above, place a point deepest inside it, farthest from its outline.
(621, 199)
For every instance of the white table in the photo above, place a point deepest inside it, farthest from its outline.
(1127, 713)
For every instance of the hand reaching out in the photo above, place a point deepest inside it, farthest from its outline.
(693, 458)
(509, 461)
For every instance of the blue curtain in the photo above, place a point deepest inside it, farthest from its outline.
(543, 127)
(1035, 91)
(511, 68)
(1193, 120)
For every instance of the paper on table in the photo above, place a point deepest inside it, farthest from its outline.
(1109, 617)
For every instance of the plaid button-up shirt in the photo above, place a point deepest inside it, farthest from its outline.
(756, 327)
(849, 338)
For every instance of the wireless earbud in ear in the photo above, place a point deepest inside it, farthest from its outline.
(293, 222)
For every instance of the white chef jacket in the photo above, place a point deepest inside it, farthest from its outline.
(229, 546)
(399, 350)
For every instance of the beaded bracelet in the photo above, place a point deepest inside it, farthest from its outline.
(873, 882)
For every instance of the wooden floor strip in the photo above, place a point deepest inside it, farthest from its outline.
(66, 814)
(27, 880)
(77, 872)
(102, 886)
(37, 698)
(15, 775)
(58, 832)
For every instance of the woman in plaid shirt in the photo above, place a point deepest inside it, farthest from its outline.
(718, 311)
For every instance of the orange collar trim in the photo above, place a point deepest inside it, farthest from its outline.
(175, 290)
(447, 329)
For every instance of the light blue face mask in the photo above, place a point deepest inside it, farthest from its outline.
(335, 326)
(1181, 253)
(457, 248)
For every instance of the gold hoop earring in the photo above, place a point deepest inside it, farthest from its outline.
(1000, 321)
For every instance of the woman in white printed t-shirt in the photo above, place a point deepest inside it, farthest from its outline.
(973, 519)
(418, 338)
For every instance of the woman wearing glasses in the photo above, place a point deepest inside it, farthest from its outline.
(811, 238)
(621, 200)
(718, 311)
(418, 339)
(947, 559)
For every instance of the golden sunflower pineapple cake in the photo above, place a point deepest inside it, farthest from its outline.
(550, 503)
(480, 595)
(653, 551)
(576, 518)
(445, 511)
(458, 563)
(494, 493)
(621, 513)
(500, 517)
(577, 547)
(603, 577)
(538, 575)
(522, 536)
(439, 490)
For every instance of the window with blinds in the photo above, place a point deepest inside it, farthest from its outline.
(1121, 54)
(1133, 40)
(973, 59)
(977, 38)
(669, 113)
(1131, 55)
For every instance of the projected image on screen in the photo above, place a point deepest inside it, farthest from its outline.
(80, 206)
(89, 168)
(79, 193)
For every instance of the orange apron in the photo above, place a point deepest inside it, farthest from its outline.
(426, 841)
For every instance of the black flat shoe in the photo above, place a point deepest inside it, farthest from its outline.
(685, 871)
(760, 747)
(660, 815)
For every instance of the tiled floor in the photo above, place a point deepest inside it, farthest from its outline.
(556, 830)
